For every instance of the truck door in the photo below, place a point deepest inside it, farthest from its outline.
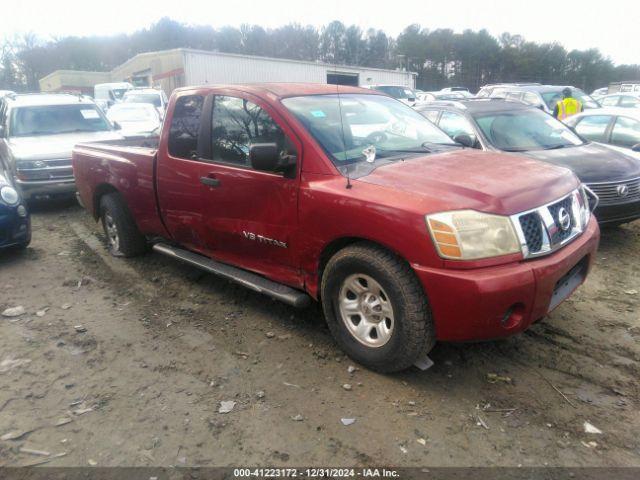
(179, 171)
(250, 216)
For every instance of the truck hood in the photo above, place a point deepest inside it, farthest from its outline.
(470, 179)
(592, 162)
(44, 147)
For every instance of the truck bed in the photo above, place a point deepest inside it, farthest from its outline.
(127, 166)
(142, 142)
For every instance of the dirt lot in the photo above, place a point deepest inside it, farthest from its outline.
(165, 344)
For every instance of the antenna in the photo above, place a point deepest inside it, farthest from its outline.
(344, 138)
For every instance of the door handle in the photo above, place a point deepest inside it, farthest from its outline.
(210, 181)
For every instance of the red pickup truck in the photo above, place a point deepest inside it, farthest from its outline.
(349, 197)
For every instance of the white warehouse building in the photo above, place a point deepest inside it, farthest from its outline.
(170, 69)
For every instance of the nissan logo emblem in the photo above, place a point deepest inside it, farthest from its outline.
(622, 190)
(564, 219)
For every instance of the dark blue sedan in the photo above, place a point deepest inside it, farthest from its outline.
(15, 224)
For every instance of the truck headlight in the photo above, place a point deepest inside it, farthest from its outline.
(587, 201)
(9, 195)
(471, 235)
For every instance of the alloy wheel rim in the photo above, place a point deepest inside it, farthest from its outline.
(365, 310)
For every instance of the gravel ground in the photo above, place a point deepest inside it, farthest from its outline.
(127, 362)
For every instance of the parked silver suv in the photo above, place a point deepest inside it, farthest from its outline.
(37, 134)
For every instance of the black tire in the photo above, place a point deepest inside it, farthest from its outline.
(117, 220)
(413, 333)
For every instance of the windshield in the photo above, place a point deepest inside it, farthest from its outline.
(132, 113)
(56, 119)
(524, 130)
(375, 127)
(118, 93)
(152, 98)
(397, 92)
(552, 98)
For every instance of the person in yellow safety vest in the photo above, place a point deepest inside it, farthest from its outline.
(567, 106)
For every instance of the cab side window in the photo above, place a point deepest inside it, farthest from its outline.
(185, 127)
(238, 123)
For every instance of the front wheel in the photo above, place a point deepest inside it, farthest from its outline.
(123, 237)
(376, 308)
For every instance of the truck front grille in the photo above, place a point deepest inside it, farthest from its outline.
(532, 229)
(614, 193)
(54, 169)
(548, 228)
(561, 235)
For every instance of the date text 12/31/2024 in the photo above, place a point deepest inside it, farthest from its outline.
(314, 473)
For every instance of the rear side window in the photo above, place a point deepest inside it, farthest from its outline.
(432, 115)
(626, 132)
(532, 99)
(185, 127)
(609, 101)
(236, 124)
(629, 101)
(594, 127)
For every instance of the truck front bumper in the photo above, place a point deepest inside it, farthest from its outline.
(495, 302)
(49, 188)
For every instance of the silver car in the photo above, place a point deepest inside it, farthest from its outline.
(618, 127)
(37, 134)
(624, 100)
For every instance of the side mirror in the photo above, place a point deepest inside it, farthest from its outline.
(267, 157)
(465, 140)
(636, 147)
(117, 126)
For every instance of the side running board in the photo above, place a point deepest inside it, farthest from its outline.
(250, 280)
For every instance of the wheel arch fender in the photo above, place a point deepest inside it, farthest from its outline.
(100, 191)
(333, 247)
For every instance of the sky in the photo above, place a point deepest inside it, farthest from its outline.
(573, 23)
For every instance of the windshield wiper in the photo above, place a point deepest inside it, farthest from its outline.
(81, 130)
(555, 147)
(440, 144)
(514, 149)
(34, 133)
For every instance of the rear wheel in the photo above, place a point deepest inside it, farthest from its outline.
(376, 308)
(123, 237)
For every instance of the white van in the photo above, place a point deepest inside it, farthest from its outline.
(106, 94)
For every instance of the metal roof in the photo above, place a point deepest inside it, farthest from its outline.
(284, 90)
(41, 99)
(474, 105)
